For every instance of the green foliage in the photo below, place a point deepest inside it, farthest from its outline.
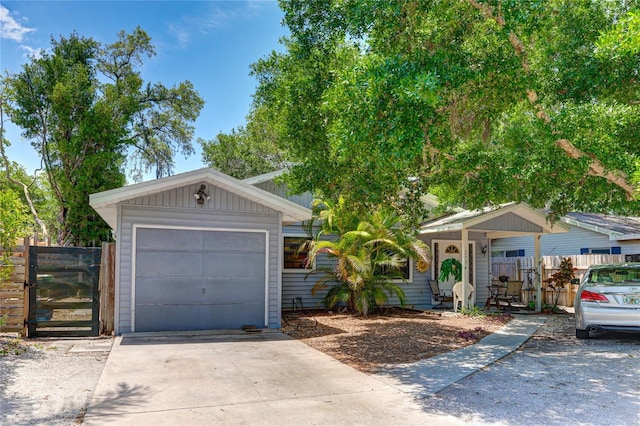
(39, 191)
(14, 221)
(475, 102)
(246, 152)
(450, 267)
(368, 251)
(473, 312)
(87, 112)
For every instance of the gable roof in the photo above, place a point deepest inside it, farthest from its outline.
(519, 219)
(106, 202)
(616, 227)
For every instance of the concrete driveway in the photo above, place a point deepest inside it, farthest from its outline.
(265, 378)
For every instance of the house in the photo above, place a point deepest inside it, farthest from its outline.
(464, 235)
(202, 250)
(589, 233)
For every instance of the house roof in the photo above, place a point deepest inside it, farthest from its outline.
(505, 220)
(266, 177)
(616, 227)
(106, 202)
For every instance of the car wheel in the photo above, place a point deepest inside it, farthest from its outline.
(582, 334)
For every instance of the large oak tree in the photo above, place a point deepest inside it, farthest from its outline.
(478, 102)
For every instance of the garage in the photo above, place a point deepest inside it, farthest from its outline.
(199, 250)
(199, 279)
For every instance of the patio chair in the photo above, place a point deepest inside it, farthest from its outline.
(457, 296)
(511, 294)
(439, 295)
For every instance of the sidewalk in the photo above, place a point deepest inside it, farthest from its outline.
(426, 377)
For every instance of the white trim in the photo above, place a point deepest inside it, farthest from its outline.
(134, 240)
(117, 282)
(267, 235)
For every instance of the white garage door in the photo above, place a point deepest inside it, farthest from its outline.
(198, 280)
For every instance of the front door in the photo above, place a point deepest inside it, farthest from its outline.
(448, 258)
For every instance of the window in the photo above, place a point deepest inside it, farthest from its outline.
(294, 255)
(601, 250)
(514, 253)
(404, 270)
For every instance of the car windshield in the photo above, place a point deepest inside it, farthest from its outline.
(619, 276)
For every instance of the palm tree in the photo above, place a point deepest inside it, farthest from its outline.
(368, 253)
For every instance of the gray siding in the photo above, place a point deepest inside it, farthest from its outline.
(183, 198)
(177, 208)
(508, 221)
(294, 285)
(281, 190)
(565, 244)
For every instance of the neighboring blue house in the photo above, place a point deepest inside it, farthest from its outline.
(589, 233)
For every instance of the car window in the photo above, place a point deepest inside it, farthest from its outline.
(620, 276)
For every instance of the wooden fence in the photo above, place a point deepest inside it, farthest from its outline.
(12, 303)
(12, 293)
(523, 269)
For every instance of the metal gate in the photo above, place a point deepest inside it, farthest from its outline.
(62, 293)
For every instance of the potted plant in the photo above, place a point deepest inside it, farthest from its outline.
(450, 267)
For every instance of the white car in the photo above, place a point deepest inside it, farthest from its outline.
(608, 299)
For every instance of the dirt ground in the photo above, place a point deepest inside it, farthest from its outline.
(393, 336)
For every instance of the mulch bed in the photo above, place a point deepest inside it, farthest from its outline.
(390, 336)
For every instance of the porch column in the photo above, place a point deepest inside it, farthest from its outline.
(464, 254)
(538, 275)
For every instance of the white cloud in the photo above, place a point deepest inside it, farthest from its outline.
(217, 18)
(30, 52)
(10, 28)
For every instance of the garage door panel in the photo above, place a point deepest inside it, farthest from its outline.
(199, 291)
(173, 239)
(174, 264)
(234, 241)
(205, 317)
(234, 265)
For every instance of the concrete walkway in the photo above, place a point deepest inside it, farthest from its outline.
(426, 377)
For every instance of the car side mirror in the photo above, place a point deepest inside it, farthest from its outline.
(575, 281)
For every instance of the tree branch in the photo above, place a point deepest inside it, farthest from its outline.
(25, 188)
(596, 168)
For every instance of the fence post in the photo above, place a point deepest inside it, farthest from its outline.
(29, 292)
(107, 288)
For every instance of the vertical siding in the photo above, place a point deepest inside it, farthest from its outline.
(508, 222)
(178, 208)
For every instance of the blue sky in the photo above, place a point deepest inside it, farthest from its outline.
(210, 43)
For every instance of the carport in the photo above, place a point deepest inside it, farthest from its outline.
(197, 251)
